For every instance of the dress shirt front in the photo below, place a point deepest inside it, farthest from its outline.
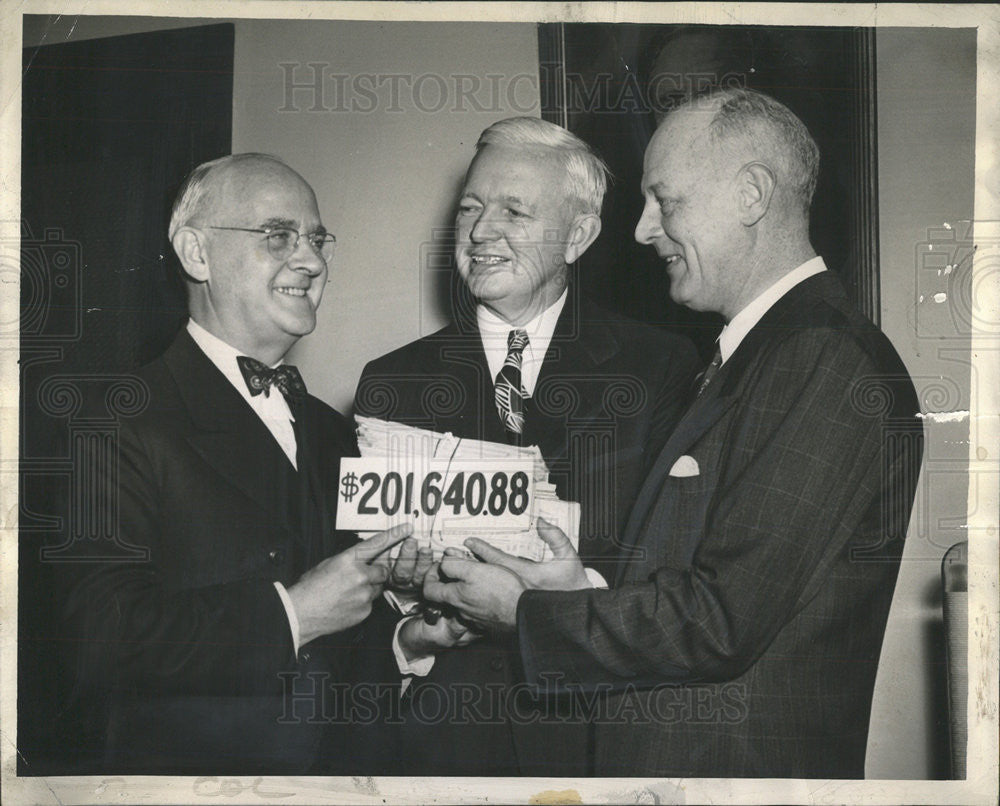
(273, 411)
(493, 332)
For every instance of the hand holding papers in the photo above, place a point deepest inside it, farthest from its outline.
(487, 592)
(563, 572)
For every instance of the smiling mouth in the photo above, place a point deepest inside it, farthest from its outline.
(488, 260)
(290, 291)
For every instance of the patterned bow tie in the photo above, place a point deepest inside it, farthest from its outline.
(260, 378)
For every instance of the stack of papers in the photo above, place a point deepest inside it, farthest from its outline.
(404, 448)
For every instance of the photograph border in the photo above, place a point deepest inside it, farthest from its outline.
(980, 786)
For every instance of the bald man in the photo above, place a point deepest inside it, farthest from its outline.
(214, 653)
(742, 635)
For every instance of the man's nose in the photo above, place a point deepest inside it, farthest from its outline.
(484, 229)
(648, 229)
(306, 259)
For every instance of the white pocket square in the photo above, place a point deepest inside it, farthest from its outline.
(685, 466)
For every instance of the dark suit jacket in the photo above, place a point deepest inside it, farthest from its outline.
(191, 647)
(608, 393)
(744, 640)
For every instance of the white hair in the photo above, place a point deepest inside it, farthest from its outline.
(586, 173)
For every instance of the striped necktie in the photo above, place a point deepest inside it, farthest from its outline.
(508, 390)
(708, 373)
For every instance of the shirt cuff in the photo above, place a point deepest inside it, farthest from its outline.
(420, 667)
(293, 620)
(596, 580)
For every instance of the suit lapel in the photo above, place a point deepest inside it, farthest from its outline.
(464, 359)
(580, 345)
(791, 312)
(705, 412)
(318, 481)
(228, 435)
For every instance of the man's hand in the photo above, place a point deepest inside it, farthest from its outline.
(564, 572)
(485, 594)
(411, 566)
(337, 593)
(419, 638)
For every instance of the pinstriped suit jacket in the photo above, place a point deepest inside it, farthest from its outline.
(743, 639)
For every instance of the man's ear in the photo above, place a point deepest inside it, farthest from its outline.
(189, 244)
(755, 191)
(582, 233)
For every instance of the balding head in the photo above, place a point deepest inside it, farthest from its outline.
(744, 125)
(205, 187)
(728, 178)
(248, 234)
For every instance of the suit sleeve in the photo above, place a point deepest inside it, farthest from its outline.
(800, 471)
(224, 638)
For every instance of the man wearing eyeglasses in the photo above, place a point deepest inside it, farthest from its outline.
(216, 651)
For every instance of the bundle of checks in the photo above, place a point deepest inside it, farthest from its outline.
(450, 489)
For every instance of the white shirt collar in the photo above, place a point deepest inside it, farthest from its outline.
(223, 355)
(741, 324)
(493, 332)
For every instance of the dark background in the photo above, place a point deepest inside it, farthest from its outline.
(612, 74)
(110, 129)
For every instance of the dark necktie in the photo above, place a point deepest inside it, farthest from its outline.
(261, 378)
(508, 390)
(706, 375)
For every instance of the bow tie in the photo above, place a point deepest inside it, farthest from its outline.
(260, 378)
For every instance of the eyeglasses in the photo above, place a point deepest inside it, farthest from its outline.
(283, 241)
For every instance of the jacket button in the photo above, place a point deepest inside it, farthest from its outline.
(497, 663)
(276, 556)
(305, 657)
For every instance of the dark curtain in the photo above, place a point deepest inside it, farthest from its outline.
(110, 128)
(607, 84)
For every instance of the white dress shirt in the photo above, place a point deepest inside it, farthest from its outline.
(493, 332)
(741, 324)
(276, 414)
(273, 411)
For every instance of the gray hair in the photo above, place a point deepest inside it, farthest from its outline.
(196, 187)
(760, 119)
(586, 173)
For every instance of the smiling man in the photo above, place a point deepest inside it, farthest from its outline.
(742, 636)
(213, 652)
(534, 363)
